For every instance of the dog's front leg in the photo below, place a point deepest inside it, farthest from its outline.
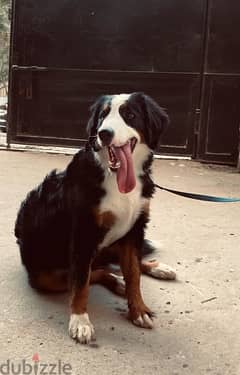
(139, 313)
(80, 327)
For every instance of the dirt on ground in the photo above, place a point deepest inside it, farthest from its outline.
(197, 328)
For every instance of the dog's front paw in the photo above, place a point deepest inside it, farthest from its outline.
(80, 328)
(143, 320)
(142, 317)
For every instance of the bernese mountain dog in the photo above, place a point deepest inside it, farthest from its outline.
(95, 212)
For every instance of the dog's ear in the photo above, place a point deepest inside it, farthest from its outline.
(156, 120)
(95, 110)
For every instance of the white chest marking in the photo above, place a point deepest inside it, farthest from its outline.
(125, 207)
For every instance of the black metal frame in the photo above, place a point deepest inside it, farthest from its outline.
(182, 80)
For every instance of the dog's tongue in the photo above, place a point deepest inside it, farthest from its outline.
(125, 174)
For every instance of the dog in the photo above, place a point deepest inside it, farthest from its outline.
(95, 212)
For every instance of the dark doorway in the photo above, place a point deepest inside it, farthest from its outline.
(66, 53)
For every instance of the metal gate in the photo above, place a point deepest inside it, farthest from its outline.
(220, 109)
(67, 52)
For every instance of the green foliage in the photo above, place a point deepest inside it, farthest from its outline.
(4, 42)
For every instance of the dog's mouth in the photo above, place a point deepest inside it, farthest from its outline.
(120, 161)
(113, 153)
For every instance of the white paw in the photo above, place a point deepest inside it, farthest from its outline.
(143, 321)
(80, 328)
(120, 284)
(163, 271)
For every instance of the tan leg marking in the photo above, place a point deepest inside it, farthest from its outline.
(139, 313)
(80, 327)
(80, 298)
(51, 281)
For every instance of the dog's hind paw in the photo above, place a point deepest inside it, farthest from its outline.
(120, 287)
(81, 329)
(162, 271)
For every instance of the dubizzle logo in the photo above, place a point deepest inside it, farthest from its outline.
(36, 367)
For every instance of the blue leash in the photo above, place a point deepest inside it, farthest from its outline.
(200, 197)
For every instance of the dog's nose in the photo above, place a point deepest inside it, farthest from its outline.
(106, 136)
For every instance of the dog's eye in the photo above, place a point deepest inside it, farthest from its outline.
(130, 116)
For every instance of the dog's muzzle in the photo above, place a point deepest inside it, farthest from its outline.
(106, 136)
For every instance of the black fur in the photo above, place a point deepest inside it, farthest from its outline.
(55, 223)
(56, 227)
(148, 118)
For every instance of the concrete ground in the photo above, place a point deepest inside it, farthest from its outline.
(197, 329)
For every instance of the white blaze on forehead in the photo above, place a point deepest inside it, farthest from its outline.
(114, 120)
(117, 100)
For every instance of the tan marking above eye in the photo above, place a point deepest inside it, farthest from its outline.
(105, 110)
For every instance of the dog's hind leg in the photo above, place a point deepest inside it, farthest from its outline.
(109, 280)
(54, 281)
(158, 270)
(155, 268)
